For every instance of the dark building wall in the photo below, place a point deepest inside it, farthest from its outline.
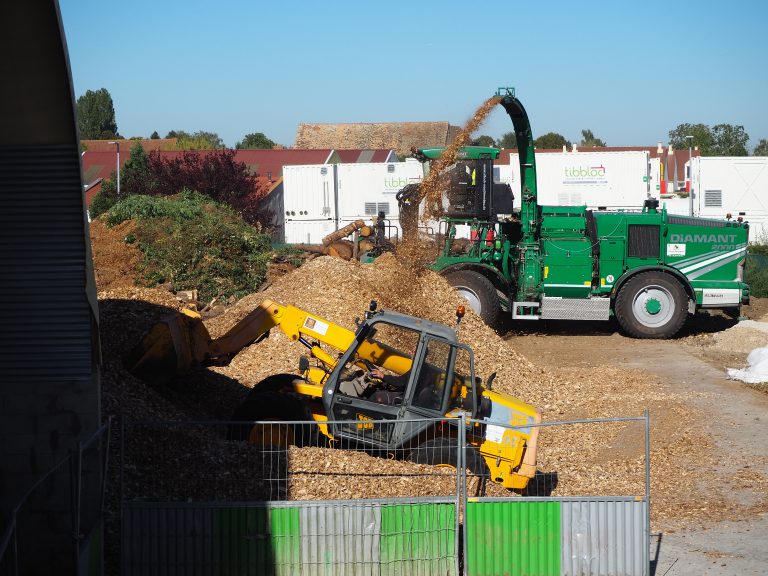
(49, 383)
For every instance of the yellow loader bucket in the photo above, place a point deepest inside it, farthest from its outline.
(170, 348)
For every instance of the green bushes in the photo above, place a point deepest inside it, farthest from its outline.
(191, 242)
(757, 271)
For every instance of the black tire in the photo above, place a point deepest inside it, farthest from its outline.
(443, 451)
(651, 305)
(277, 406)
(479, 292)
(273, 383)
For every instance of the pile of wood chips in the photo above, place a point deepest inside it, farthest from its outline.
(574, 460)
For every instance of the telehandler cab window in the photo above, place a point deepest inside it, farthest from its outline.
(431, 381)
(380, 368)
(445, 370)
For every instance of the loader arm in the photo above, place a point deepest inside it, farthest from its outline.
(181, 341)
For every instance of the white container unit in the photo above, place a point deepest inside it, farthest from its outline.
(736, 185)
(309, 197)
(611, 180)
(320, 199)
(364, 190)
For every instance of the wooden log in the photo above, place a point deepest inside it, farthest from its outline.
(366, 245)
(343, 232)
(314, 248)
(341, 249)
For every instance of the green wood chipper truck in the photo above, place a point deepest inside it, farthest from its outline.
(647, 268)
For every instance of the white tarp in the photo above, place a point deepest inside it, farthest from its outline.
(756, 371)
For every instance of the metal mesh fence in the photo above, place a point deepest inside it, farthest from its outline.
(56, 524)
(297, 460)
(287, 460)
(282, 498)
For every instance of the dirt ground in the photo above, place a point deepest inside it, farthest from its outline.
(729, 417)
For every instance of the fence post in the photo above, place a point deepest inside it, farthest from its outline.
(461, 536)
(77, 480)
(105, 469)
(647, 416)
(15, 543)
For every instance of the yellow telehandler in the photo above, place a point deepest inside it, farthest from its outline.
(377, 388)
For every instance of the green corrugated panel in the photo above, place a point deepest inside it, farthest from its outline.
(286, 540)
(418, 539)
(257, 541)
(519, 537)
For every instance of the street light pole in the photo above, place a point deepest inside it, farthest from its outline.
(117, 144)
(690, 173)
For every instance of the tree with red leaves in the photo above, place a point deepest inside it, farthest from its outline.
(215, 174)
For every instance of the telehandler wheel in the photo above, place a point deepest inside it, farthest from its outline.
(479, 292)
(651, 305)
(443, 451)
(273, 406)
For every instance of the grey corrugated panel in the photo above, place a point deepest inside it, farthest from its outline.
(342, 540)
(603, 537)
(47, 332)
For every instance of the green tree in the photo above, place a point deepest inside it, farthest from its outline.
(200, 140)
(551, 140)
(761, 149)
(702, 137)
(135, 176)
(484, 140)
(589, 140)
(155, 136)
(508, 140)
(96, 115)
(255, 141)
(729, 140)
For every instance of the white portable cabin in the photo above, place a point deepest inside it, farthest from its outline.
(365, 190)
(309, 200)
(736, 185)
(320, 199)
(611, 180)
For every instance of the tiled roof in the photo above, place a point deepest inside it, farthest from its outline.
(357, 156)
(399, 136)
(126, 145)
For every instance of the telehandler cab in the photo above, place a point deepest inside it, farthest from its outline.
(339, 391)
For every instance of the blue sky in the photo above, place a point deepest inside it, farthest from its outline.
(629, 71)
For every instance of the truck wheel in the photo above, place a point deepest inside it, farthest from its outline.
(651, 305)
(443, 451)
(479, 293)
(277, 407)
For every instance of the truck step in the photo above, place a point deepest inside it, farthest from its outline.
(575, 308)
(525, 311)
